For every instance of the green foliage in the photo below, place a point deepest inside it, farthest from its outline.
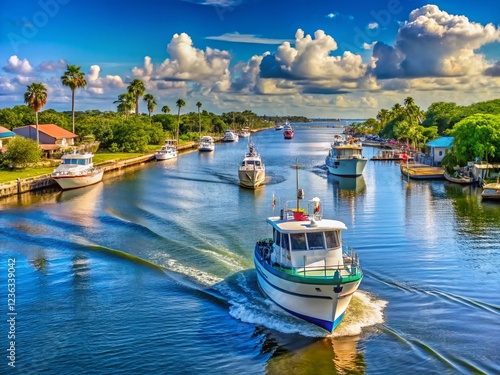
(22, 152)
(477, 137)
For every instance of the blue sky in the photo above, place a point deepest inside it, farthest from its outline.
(318, 58)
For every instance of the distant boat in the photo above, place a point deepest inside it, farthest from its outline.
(230, 136)
(168, 151)
(396, 155)
(252, 171)
(244, 133)
(206, 144)
(304, 267)
(279, 126)
(288, 132)
(77, 170)
(345, 157)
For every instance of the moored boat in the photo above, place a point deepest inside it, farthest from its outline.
(77, 170)
(252, 171)
(305, 268)
(459, 178)
(345, 157)
(491, 191)
(206, 144)
(230, 136)
(168, 151)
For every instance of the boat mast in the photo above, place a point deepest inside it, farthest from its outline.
(300, 193)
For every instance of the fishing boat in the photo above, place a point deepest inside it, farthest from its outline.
(419, 171)
(304, 267)
(230, 136)
(168, 151)
(459, 178)
(206, 144)
(252, 171)
(288, 132)
(345, 157)
(77, 170)
(491, 191)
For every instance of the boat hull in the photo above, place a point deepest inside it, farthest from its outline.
(251, 178)
(206, 148)
(67, 182)
(459, 180)
(346, 167)
(314, 301)
(165, 156)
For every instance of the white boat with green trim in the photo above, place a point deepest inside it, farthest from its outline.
(305, 268)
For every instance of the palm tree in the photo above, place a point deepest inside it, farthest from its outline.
(36, 98)
(136, 88)
(165, 109)
(150, 99)
(73, 79)
(125, 103)
(199, 118)
(180, 103)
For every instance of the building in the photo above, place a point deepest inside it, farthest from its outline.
(52, 137)
(436, 150)
(5, 135)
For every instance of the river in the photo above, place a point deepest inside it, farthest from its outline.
(151, 271)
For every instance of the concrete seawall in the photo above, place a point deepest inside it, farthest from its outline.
(21, 186)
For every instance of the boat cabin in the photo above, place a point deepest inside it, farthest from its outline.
(311, 245)
(78, 159)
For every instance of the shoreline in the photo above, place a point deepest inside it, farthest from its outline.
(21, 186)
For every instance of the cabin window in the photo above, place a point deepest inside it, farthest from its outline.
(285, 244)
(332, 239)
(316, 241)
(277, 237)
(298, 241)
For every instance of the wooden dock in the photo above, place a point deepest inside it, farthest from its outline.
(422, 171)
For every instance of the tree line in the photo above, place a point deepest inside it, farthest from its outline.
(475, 128)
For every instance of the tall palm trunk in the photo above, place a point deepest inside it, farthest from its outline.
(73, 108)
(37, 134)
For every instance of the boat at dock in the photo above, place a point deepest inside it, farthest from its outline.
(491, 191)
(77, 170)
(206, 144)
(392, 155)
(230, 136)
(459, 178)
(168, 151)
(304, 267)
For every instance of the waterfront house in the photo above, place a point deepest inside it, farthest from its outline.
(436, 149)
(52, 137)
(5, 136)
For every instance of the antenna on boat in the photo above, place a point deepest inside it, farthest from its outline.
(300, 192)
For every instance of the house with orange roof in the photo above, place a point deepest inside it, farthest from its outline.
(51, 137)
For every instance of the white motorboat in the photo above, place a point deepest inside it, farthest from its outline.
(491, 191)
(77, 170)
(252, 171)
(304, 267)
(345, 157)
(279, 126)
(168, 151)
(230, 136)
(206, 144)
(244, 133)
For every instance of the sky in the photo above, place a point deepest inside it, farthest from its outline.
(316, 58)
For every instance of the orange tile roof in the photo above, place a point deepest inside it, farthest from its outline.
(54, 131)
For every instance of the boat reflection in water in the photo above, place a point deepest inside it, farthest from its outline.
(355, 184)
(298, 352)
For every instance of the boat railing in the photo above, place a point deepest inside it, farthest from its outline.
(350, 266)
